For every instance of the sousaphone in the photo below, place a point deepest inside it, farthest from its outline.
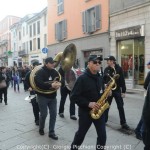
(66, 58)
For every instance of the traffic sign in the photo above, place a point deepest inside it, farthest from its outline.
(45, 50)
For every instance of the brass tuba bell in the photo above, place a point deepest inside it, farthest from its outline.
(66, 58)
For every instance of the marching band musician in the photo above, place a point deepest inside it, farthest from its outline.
(119, 92)
(64, 91)
(34, 103)
(47, 73)
(85, 93)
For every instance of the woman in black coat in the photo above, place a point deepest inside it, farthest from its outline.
(3, 90)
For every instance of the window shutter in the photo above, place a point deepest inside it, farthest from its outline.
(84, 22)
(62, 6)
(56, 31)
(98, 16)
(64, 29)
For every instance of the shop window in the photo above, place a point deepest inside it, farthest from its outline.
(131, 57)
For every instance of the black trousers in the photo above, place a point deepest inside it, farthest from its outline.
(36, 110)
(85, 121)
(64, 92)
(146, 138)
(3, 91)
(120, 104)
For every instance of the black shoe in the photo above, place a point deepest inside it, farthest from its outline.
(37, 122)
(6, 104)
(73, 117)
(53, 136)
(138, 135)
(125, 126)
(61, 115)
(41, 132)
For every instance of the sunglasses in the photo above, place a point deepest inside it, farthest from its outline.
(96, 62)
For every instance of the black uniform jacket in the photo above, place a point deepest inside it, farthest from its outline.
(4, 77)
(146, 109)
(42, 77)
(87, 89)
(147, 80)
(120, 81)
(27, 81)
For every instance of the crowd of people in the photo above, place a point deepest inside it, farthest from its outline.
(87, 90)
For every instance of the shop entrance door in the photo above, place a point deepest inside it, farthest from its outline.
(139, 62)
(131, 58)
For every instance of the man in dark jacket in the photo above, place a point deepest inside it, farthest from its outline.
(119, 92)
(147, 79)
(45, 74)
(4, 78)
(34, 103)
(140, 127)
(86, 92)
(146, 120)
(64, 91)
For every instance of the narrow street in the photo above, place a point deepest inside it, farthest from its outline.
(18, 131)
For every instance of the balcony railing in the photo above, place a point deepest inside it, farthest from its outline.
(3, 42)
(22, 53)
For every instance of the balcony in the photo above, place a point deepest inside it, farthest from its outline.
(22, 53)
(3, 42)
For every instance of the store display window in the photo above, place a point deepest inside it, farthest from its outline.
(131, 57)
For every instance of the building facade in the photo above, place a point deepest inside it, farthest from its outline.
(85, 25)
(129, 38)
(28, 38)
(37, 26)
(5, 39)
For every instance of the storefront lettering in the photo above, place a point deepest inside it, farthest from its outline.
(128, 32)
(34, 56)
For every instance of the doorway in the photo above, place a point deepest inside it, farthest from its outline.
(131, 57)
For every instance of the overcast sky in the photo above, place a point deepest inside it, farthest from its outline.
(20, 8)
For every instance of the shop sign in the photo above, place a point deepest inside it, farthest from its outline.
(131, 32)
(35, 56)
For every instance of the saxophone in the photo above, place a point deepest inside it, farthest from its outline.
(102, 102)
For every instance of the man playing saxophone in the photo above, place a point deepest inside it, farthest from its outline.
(45, 74)
(119, 92)
(87, 90)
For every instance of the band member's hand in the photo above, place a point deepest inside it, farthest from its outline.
(56, 85)
(123, 95)
(94, 105)
(110, 93)
(30, 89)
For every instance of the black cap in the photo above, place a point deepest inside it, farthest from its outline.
(110, 58)
(49, 60)
(94, 57)
(148, 63)
(36, 63)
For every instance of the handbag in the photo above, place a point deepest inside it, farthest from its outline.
(3, 84)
